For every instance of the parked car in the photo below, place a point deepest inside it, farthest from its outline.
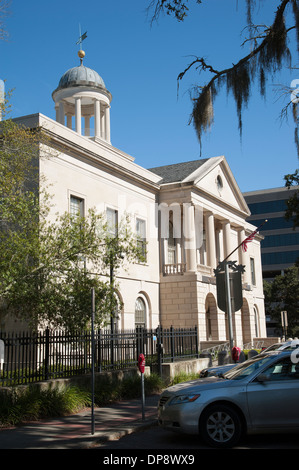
(216, 370)
(220, 370)
(290, 344)
(258, 395)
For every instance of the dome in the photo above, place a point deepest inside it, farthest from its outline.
(80, 76)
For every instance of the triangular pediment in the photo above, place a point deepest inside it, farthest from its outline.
(215, 179)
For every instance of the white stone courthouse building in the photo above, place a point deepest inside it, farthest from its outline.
(191, 215)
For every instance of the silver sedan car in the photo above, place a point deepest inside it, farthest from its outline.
(259, 395)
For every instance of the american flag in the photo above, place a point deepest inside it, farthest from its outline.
(249, 239)
(251, 236)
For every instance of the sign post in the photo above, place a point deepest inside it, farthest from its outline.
(141, 367)
(92, 358)
(284, 323)
(1, 353)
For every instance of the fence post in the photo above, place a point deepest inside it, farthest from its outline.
(47, 353)
(99, 341)
(196, 342)
(172, 343)
(160, 348)
(137, 342)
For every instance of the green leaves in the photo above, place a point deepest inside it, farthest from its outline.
(48, 267)
(282, 294)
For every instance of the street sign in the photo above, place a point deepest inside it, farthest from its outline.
(235, 281)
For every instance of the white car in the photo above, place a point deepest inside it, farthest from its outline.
(259, 395)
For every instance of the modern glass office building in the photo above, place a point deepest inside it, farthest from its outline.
(280, 247)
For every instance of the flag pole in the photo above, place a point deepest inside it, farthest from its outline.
(255, 231)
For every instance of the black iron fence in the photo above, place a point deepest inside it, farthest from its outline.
(30, 357)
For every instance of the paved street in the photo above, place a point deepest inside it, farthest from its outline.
(156, 438)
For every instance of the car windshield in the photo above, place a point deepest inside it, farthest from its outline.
(274, 347)
(241, 371)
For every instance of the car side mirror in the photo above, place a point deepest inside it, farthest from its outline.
(263, 378)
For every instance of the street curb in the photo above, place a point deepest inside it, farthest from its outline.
(102, 437)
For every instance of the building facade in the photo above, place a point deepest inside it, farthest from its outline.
(191, 215)
(280, 246)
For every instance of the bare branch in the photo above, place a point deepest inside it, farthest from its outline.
(4, 12)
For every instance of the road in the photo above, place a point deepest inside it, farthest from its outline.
(156, 438)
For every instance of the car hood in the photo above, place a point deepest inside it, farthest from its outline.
(194, 385)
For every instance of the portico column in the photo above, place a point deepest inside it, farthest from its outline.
(97, 118)
(189, 237)
(78, 115)
(226, 238)
(210, 239)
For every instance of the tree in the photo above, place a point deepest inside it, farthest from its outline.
(47, 268)
(292, 212)
(4, 11)
(269, 52)
(282, 294)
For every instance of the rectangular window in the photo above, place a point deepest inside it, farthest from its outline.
(112, 221)
(252, 271)
(141, 237)
(76, 206)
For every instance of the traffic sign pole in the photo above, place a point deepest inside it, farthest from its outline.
(229, 306)
(92, 359)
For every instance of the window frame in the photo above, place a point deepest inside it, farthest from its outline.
(81, 206)
(252, 271)
(139, 323)
(141, 237)
(112, 228)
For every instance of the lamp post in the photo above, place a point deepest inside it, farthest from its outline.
(92, 358)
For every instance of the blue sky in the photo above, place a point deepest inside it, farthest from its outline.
(139, 63)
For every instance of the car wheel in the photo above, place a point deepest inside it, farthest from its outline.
(220, 426)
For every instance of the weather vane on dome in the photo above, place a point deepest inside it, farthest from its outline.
(83, 36)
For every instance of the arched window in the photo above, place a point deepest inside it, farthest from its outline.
(140, 313)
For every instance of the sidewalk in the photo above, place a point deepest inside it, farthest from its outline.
(74, 431)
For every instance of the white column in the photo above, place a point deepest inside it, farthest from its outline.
(87, 125)
(103, 124)
(97, 118)
(189, 237)
(78, 115)
(210, 240)
(69, 120)
(57, 112)
(61, 112)
(107, 123)
(226, 238)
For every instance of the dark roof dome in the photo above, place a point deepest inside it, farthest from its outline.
(80, 76)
